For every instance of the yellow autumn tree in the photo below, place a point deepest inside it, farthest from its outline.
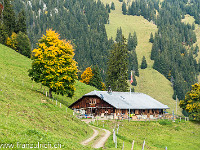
(87, 75)
(53, 64)
(191, 103)
(12, 41)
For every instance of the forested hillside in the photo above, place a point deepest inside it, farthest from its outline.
(83, 22)
(172, 51)
(80, 21)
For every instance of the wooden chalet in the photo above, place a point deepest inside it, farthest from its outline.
(118, 104)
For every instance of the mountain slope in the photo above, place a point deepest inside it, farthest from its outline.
(27, 116)
(150, 81)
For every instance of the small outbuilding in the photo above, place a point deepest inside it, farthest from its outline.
(118, 105)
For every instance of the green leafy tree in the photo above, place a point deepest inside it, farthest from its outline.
(144, 63)
(53, 64)
(191, 103)
(118, 67)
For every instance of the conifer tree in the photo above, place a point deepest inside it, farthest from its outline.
(108, 8)
(9, 17)
(124, 10)
(119, 35)
(113, 6)
(135, 42)
(96, 79)
(23, 44)
(132, 41)
(144, 63)
(21, 22)
(118, 66)
(53, 64)
(151, 38)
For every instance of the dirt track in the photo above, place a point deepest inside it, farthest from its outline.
(100, 141)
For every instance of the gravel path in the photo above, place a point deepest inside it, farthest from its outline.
(87, 141)
(100, 141)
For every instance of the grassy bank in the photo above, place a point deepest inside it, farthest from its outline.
(157, 134)
(28, 116)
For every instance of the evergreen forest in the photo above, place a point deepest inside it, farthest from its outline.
(83, 23)
(173, 52)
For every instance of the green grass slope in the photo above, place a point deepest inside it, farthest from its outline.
(27, 116)
(150, 82)
(159, 134)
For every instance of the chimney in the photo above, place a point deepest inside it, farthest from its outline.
(109, 90)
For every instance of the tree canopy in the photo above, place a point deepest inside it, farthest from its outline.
(117, 72)
(191, 103)
(87, 75)
(53, 64)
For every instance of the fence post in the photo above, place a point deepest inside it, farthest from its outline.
(143, 145)
(132, 145)
(56, 102)
(115, 141)
(114, 135)
(117, 128)
(123, 146)
(60, 105)
(166, 148)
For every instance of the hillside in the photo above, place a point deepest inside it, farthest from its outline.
(190, 19)
(177, 135)
(150, 80)
(27, 116)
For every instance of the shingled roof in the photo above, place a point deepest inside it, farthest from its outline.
(127, 100)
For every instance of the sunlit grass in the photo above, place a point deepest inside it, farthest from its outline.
(157, 134)
(27, 115)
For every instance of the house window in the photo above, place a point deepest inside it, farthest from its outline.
(92, 101)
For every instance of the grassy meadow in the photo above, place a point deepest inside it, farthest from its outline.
(150, 81)
(28, 116)
(159, 134)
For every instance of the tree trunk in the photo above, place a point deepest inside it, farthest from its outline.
(50, 92)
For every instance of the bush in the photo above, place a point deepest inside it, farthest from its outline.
(165, 122)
